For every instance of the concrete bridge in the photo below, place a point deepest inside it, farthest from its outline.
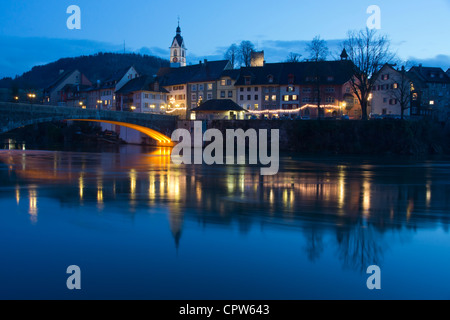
(156, 126)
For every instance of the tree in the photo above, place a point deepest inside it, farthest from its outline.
(293, 57)
(318, 51)
(368, 52)
(402, 90)
(245, 53)
(232, 54)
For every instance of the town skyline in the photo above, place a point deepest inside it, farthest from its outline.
(29, 30)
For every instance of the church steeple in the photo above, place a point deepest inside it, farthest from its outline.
(178, 50)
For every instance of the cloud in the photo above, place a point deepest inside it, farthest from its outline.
(21, 54)
(441, 60)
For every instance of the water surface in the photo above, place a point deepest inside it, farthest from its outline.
(141, 227)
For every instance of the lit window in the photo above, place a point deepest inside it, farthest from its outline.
(431, 102)
(274, 97)
(210, 86)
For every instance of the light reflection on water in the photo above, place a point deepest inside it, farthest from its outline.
(350, 213)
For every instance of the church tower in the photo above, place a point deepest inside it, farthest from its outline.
(177, 50)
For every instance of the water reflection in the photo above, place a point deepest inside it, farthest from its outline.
(355, 202)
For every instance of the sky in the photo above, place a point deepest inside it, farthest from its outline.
(35, 32)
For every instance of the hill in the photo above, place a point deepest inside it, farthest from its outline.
(100, 66)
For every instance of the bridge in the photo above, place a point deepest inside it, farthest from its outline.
(15, 115)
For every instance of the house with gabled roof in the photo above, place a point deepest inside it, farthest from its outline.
(57, 92)
(391, 92)
(142, 94)
(102, 95)
(431, 92)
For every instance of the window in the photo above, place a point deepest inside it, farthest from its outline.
(385, 100)
(395, 86)
(274, 97)
(329, 100)
(266, 98)
(256, 106)
(256, 89)
(431, 102)
(294, 97)
(256, 97)
(146, 96)
(146, 105)
(329, 90)
(392, 101)
(270, 79)
(248, 80)
(290, 89)
(200, 87)
(330, 78)
(241, 97)
(194, 87)
(286, 98)
(241, 89)
(209, 97)
(223, 82)
(307, 90)
(249, 97)
(222, 94)
(306, 100)
(385, 77)
(194, 97)
(230, 94)
(249, 89)
(210, 86)
(229, 82)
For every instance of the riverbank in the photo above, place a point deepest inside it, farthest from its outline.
(377, 137)
(353, 137)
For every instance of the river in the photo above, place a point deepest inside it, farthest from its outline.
(140, 227)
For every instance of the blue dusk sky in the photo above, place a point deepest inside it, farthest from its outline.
(35, 32)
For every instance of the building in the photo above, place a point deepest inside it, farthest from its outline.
(226, 85)
(103, 96)
(142, 94)
(218, 109)
(430, 92)
(64, 86)
(295, 89)
(178, 50)
(391, 92)
(190, 85)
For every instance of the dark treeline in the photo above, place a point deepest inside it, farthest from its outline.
(100, 66)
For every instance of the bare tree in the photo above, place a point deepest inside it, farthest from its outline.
(245, 53)
(318, 51)
(232, 54)
(368, 52)
(403, 91)
(293, 57)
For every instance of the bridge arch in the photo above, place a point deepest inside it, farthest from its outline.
(162, 139)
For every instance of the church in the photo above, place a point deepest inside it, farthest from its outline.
(178, 50)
